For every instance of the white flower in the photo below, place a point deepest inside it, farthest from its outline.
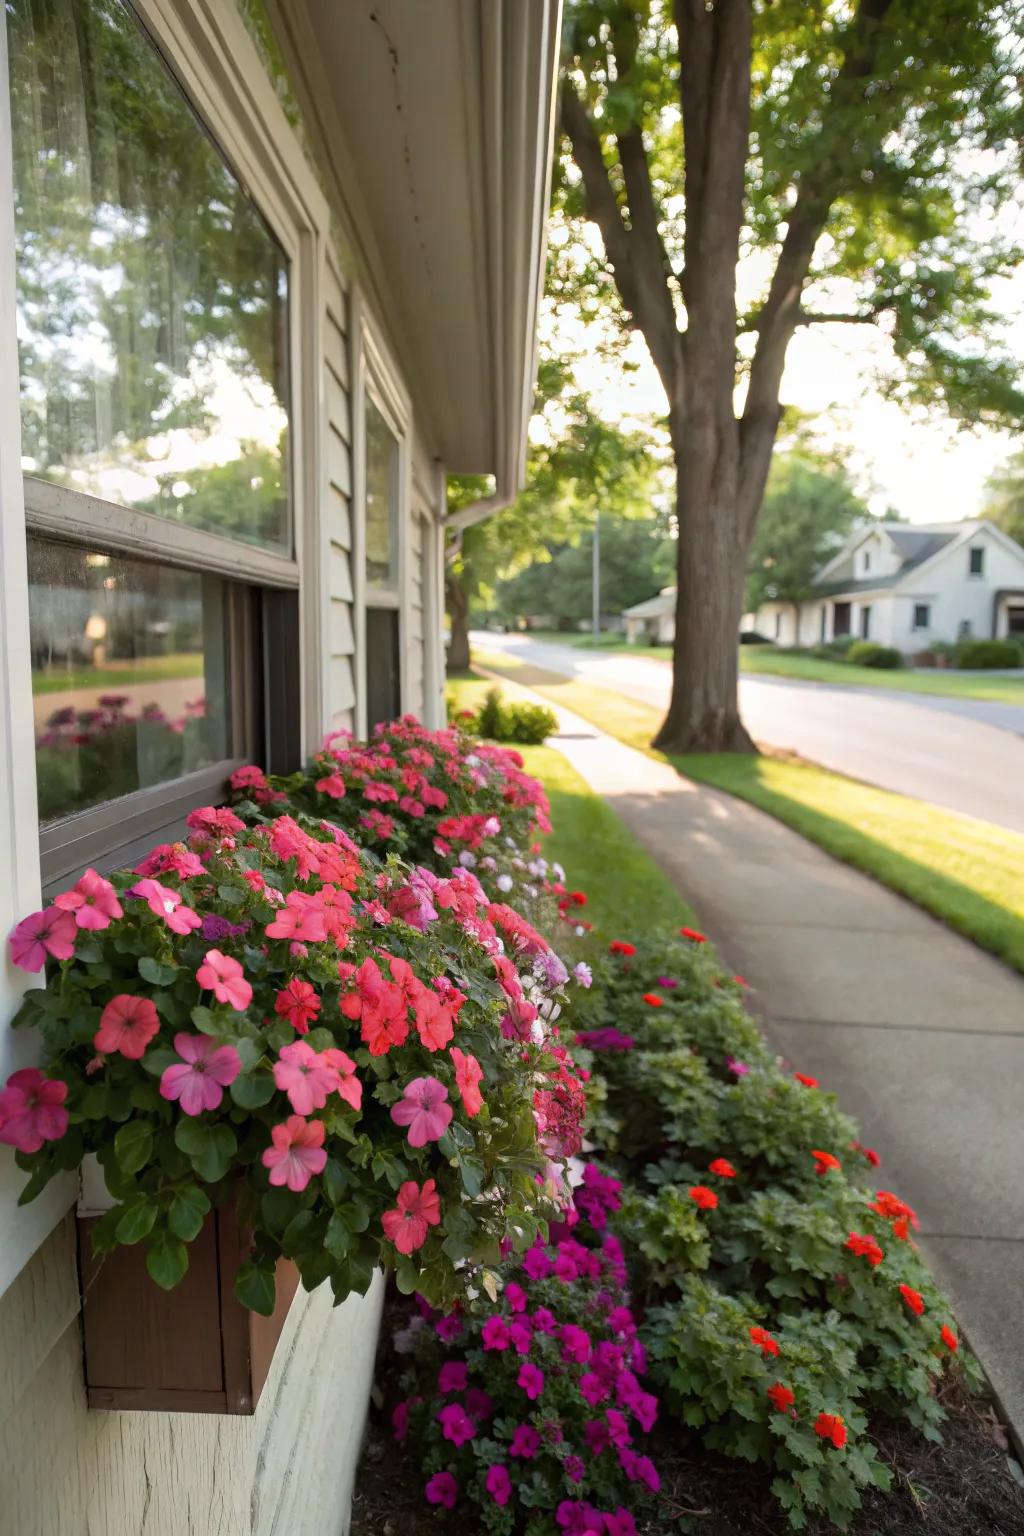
(505, 882)
(467, 859)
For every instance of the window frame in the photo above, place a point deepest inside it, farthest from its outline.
(972, 551)
(926, 609)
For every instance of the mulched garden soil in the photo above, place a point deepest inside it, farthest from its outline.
(963, 1487)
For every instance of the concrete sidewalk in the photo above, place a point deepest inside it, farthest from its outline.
(919, 1033)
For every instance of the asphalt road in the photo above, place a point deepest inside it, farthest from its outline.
(966, 755)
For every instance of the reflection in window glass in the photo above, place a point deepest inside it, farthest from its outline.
(381, 500)
(152, 298)
(129, 677)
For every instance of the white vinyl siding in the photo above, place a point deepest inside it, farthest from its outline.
(341, 689)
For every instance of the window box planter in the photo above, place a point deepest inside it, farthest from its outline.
(194, 1349)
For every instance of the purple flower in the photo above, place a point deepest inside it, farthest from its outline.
(499, 1484)
(608, 1039)
(215, 928)
(593, 1389)
(478, 1404)
(667, 981)
(575, 1344)
(452, 1377)
(583, 974)
(536, 1262)
(740, 1068)
(577, 1519)
(531, 1379)
(442, 1489)
(516, 1297)
(520, 1336)
(595, 1433)
(574, 1469)
(494, 1334)
(544, 1321)
(456, 1424)
(448, 1328)
(525, 1442)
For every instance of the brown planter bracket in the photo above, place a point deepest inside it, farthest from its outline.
(194, 1349)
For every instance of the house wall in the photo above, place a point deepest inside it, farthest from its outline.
(955, 596)
(69, 1471)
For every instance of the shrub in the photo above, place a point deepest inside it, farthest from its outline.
(531, 1405)
(867, 653)
(517, 721)
(266, 1015)
(751, 637)
(976, 655)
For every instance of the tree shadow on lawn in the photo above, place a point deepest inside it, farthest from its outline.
(966, 911)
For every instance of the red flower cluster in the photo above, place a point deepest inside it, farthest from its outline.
(808, 1082)
(831, 1427)
(620, 947)
(902, 1216)
(913, 1299)
(825, 1161)
(653, 1000)
(693, 935)
(781, 1397)
(704, 1198)
(723, 1168)
(865, 1248)
(763, 1340)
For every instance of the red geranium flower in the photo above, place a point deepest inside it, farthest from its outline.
(723, 1168)
(653, 1000)
(825, 1161)
(902, 1216)
(913, 1299)
(703, 1197)
(781, 1396)
(694, 936)
(620, 947)
(864, 1247)
(763, 1341)
(808, 1082)
(949, 1338)
(831, 1427)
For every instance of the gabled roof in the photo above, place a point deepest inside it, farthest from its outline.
(653, 607)
(915, 545)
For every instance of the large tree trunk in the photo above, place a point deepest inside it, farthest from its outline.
(458, 612)
(703, 713)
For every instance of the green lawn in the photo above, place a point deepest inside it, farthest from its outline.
(589, 839)
(154, 669)
(767, 660)
(965, 872)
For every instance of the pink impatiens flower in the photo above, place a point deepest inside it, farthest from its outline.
(167, 904)
(417, 1209)
(348, 1086)
(198, 1083)
(50, 932)
(305, 1077)
(424, 1109)
(297, 1152)
(32, 1110)
(225, 978)
(127, 1024)
(298, 1003)
(468, 1073)
(92, 900)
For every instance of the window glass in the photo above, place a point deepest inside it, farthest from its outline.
(152, 298)
(129, 675)
(977, 562)
(382, 491)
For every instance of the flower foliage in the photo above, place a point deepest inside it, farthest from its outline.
(529, 1413)
(424, 794)
(267, 1014)
(786, 1300)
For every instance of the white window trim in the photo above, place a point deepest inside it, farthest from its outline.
(374, 372)
(206, 45)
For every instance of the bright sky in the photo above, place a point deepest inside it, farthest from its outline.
(929, 470)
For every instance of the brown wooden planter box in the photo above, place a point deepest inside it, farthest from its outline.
(194, 1349)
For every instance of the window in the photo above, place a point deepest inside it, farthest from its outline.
(976, 561)
(153, 343)
(382, 500)
(867, 560)
(865, 622)
(778, 625)
(824, 623)
(922, 616)
(963, 629)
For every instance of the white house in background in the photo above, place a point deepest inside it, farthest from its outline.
(908, 586)
(652, 622)
(295, 271)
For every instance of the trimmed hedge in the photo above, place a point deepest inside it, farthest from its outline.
(980, 655)
(866, 653)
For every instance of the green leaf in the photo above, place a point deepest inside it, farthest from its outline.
(249, 1051)
(137, 1220)
(209, 1148)
(335, 1181)
(337, 1238)
(206, 1021)
(157, 1061)
(253, 1090)
(255, 1288)
(167, 1259)
(355, 1217)
(472, 1175)
(133, 1146)
(187, 1213)
(231, 895)
(155, 973)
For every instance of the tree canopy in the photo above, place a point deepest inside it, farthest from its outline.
(1003, 503)
(809, 509)
(637, 559)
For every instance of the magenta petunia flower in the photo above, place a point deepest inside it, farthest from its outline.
(224, 977)
(32, 1110)
(494, 1334)
(424, 1110)
(575, 1344)
(297, 1152)
(92, 900)
(525, 1442)
(198, 1083)
(452, 1377)
(740, 1068)
(50, 932)
(442, 1489)
(499, 1484)
(456, 1424)
(531, 1379)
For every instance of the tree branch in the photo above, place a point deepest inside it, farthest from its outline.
(635, 252)
(781, 313)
